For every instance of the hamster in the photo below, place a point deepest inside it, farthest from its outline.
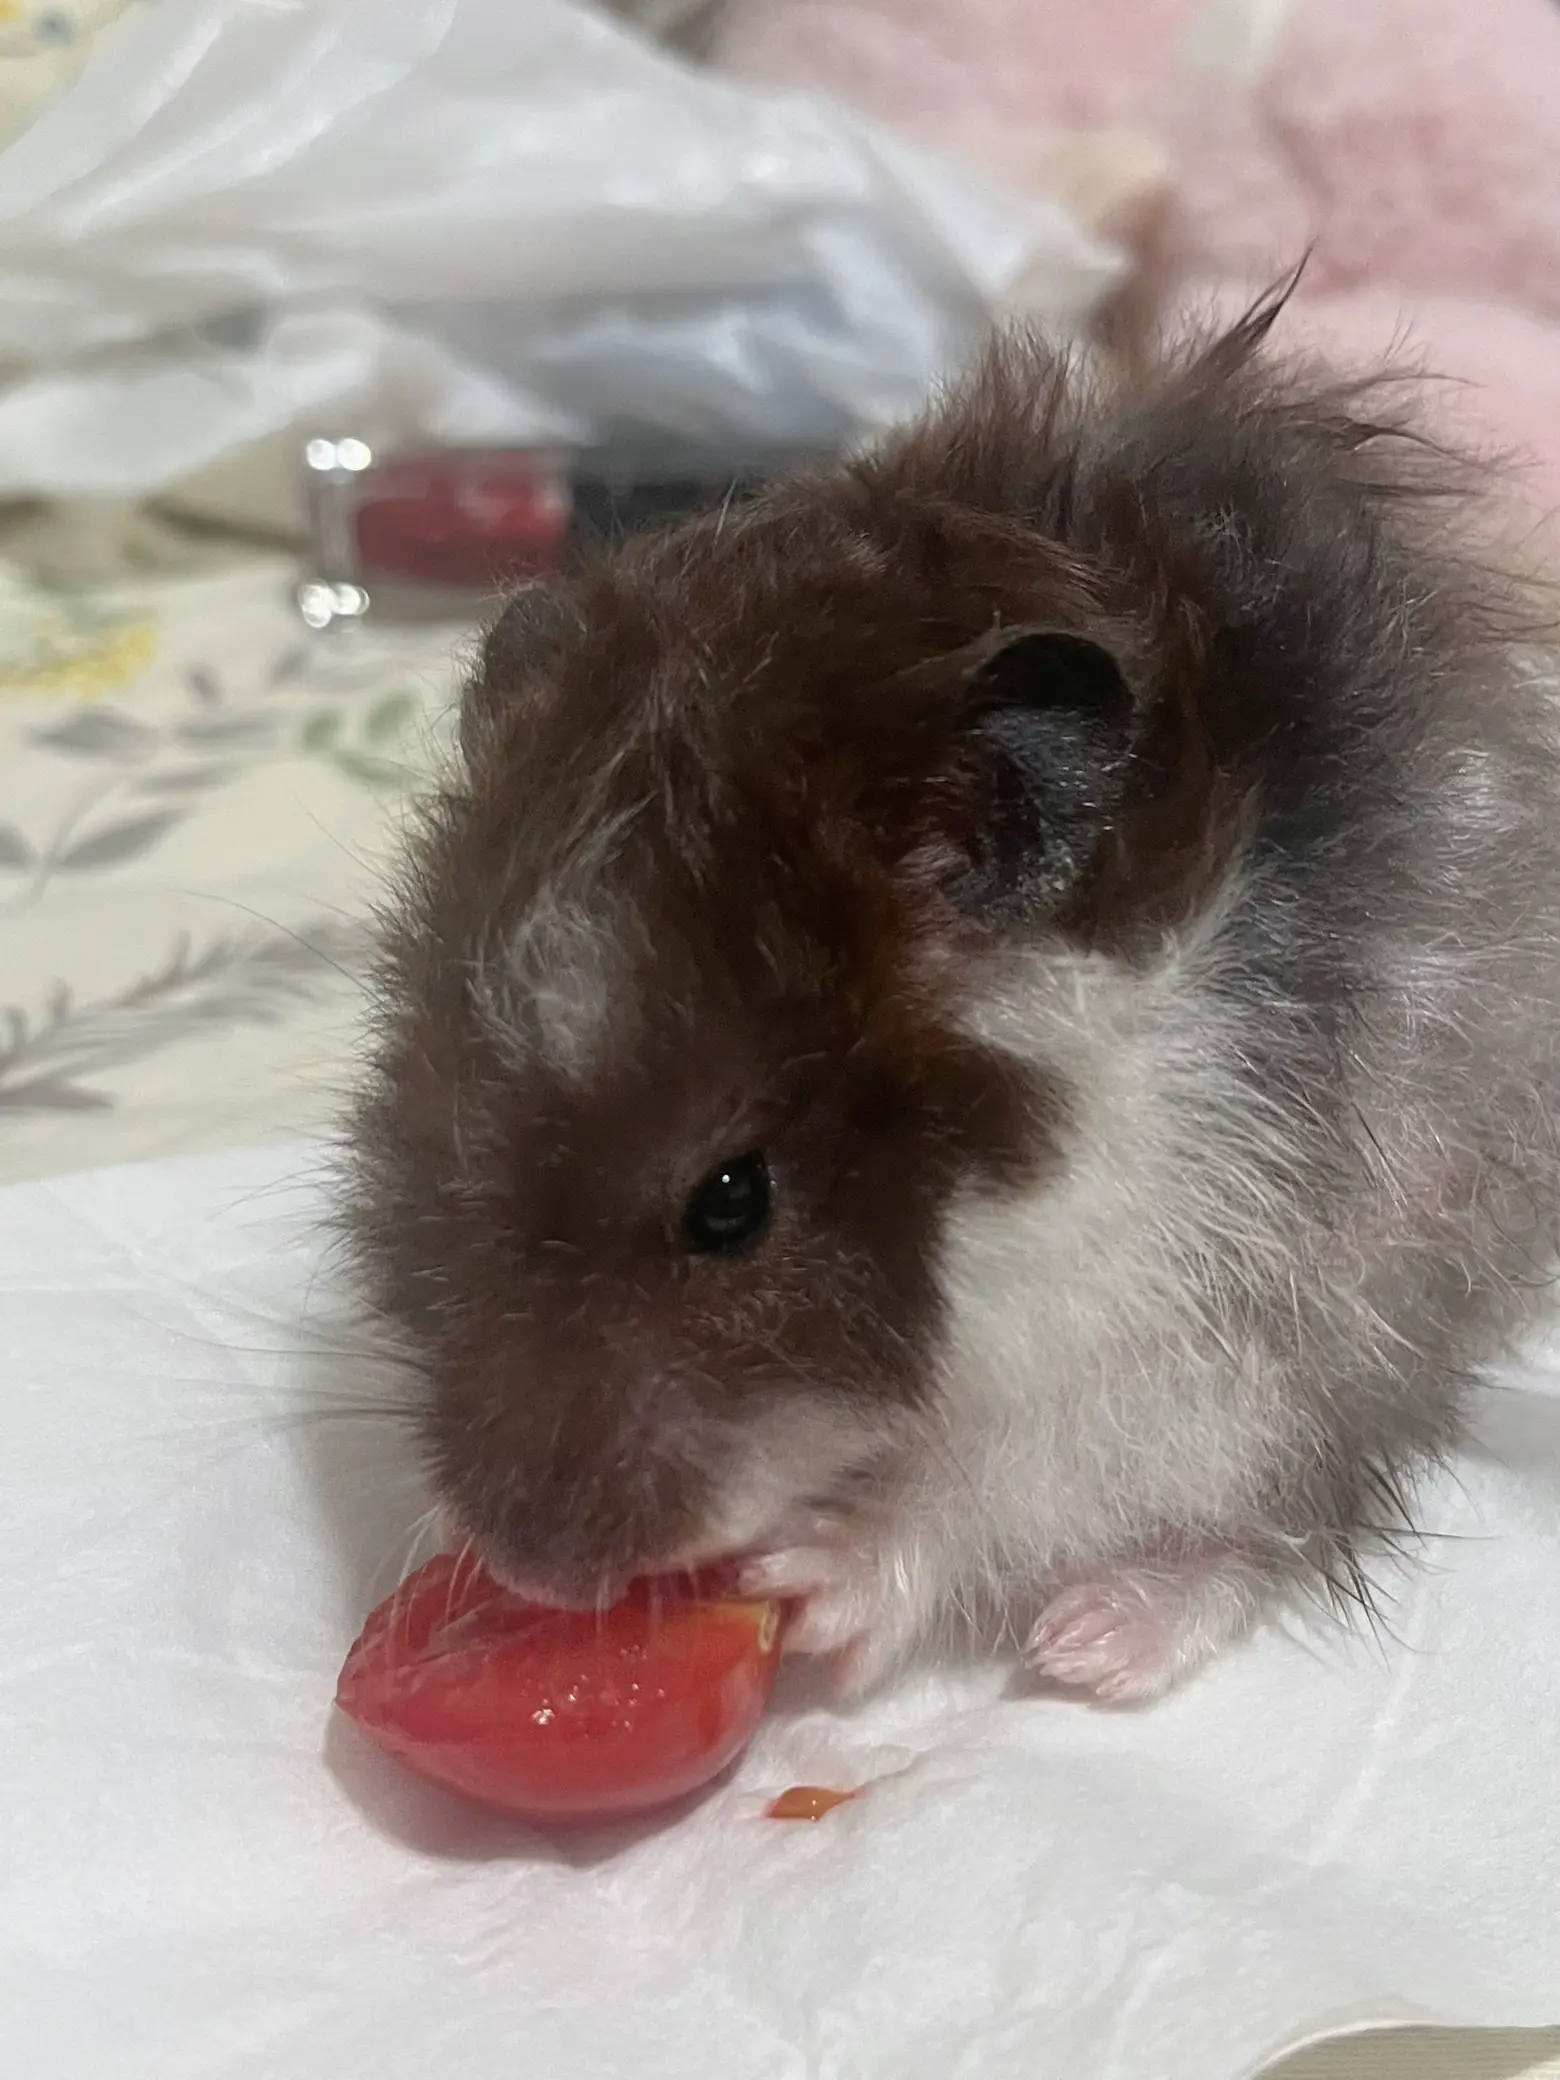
(976, 1036)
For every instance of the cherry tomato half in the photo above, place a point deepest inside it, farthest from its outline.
(561, 1715)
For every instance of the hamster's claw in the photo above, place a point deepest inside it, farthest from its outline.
(842, 1608)
(833, 1590)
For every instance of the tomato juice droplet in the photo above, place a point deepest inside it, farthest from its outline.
(807, 1802)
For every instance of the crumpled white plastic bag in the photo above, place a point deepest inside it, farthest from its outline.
(477, 219)
(203, 1879)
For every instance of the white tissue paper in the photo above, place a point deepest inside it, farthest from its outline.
(471, 220)
(203, 1878)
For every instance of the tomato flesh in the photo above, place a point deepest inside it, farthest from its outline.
(561, 1715)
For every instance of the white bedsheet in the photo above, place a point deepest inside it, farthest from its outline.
(203, 1878)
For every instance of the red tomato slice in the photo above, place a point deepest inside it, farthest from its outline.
(561, 1715)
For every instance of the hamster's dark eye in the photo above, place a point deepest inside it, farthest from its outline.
(730, 1208)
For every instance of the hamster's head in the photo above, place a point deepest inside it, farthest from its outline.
(680, 1071)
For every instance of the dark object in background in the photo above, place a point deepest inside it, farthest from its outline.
(438, 531)
(685, 26)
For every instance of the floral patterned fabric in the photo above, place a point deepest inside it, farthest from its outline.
(195, 797)
(43, 44)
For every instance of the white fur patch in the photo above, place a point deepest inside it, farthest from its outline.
(1088, 1317)
(567, 968)
(563, 984)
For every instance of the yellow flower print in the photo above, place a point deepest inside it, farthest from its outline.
(77, 663)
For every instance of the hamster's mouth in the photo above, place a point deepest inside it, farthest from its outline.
(553, 1598)
(590, 1590)
(717, 1572)
(727, 1560)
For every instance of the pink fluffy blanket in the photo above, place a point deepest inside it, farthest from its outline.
(1413, 145)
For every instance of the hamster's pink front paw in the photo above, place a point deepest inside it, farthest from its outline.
(1129, 1636)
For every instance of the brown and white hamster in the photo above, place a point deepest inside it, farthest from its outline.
(979, 1033)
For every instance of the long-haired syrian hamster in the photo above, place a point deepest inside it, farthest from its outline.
(977, 1034)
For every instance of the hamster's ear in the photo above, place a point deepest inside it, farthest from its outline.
(516, 653)
(1034, 772)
